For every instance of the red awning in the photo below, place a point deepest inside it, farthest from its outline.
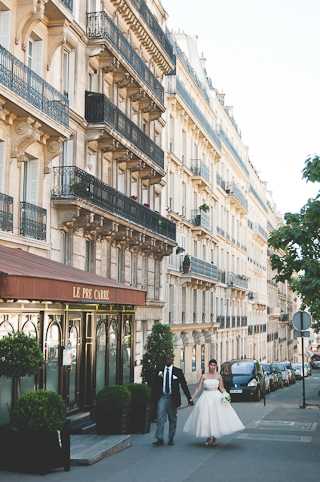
(26, 276)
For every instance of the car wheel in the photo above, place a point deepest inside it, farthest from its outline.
(257, 396)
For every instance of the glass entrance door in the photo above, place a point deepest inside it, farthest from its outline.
(74, 370)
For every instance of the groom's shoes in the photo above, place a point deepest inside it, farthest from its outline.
(171, 442)
(157, 443)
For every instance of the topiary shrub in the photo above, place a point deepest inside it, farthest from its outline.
(159, 346)
(112, 409)
(140, 393)
(38, 411)
(20, 355)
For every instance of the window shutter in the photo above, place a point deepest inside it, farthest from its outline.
(5, 23)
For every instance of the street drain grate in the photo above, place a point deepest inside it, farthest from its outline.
(274, 438)
(284, 425)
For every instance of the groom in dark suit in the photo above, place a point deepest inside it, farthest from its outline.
(166, 391)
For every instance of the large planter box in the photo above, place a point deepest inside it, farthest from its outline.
(113, 422)
(140, 419)
(34, 452)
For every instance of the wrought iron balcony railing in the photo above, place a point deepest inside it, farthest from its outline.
(200, 218)
(28, 85)
(233, 190)
(68, 4)
(154, 26)
(197, 266)
(237, 281)
(200, 169)
(221, 320)
(72, 183)
(235, 153)
(101, 26)
(6, 212)
(33, 221)
(184, 94)
(99, 109)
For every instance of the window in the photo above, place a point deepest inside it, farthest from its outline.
(2, 167)
(203, 307)
(68, 75)
(134, 269)
(145, 272)
(194, 358)
(184, 199)
(121, 265)
(34, 53)
(211, 307)
(182, 359)
(67, 152)
(92, 162)
(171, 303)
(195, 308)
(183, 304)
(184, 146)
(171, 134)
(30, 181)
(157, 277)
(67, 247)
(5, 23)
(90, 259)
(203, 357)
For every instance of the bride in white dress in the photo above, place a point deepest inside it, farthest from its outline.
(212, 416)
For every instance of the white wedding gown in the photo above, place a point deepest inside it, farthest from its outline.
(211, 417)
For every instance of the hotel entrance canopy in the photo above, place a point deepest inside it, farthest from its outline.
(26, 276)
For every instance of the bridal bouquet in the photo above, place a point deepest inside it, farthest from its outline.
(226, 398)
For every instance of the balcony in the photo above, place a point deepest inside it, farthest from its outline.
(200, 220)
(260, 233)
(237, 281)
(221, 182)
(233, 151)
(193, 266)
(33, 221)
(29, 86)
(101, 27)
(201, 173)
(237, 198)
(100, 110)
(6, 212)
(221, 321)
(74, 183)
(201, 119)
(222, 276)
(153, 25)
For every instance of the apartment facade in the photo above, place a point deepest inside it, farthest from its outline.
(81, 175)
(218, 296)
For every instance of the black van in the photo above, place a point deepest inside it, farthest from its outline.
(243, 379)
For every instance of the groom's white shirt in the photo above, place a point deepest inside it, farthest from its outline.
(164, 378)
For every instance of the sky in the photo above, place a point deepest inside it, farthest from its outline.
(264, 54)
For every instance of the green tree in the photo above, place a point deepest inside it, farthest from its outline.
(159, 346)
(297, 245)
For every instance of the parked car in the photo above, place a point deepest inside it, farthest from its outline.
(270, 377)
(278, 376)
(297, 370)
(315, 360)
(307, 368)
(243, 379)
(292, 377)
(284, 372)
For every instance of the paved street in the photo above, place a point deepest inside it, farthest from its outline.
(281, 442)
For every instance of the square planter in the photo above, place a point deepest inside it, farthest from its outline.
(34, 452)
(112, 423)
(140, 419)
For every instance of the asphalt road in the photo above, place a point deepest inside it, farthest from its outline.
(281, 442)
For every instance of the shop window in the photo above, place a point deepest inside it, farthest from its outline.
(194, 359)
(28, 383)
(126, 352)
(52, 358)
(112, 353)
(5, 383)
(101, 356)
(73, 371)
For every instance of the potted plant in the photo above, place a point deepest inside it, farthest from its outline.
(186, 264)
(204, 207)
(36, 440)
(20, 356)
(139, 421)
(112, 409)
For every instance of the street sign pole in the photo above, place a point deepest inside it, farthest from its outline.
(303, 378)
